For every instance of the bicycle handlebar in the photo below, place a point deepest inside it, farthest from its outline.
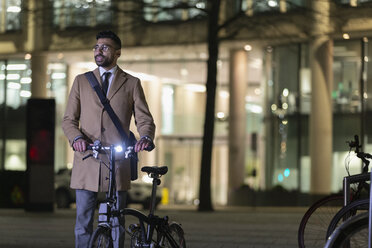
(97, 147)
(362, 155)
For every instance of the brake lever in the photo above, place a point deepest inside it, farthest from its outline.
(129, 152)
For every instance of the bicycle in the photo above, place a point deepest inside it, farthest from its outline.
(354, 232)
(152, 231)
(326, 214)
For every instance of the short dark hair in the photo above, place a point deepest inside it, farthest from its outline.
(111, 35)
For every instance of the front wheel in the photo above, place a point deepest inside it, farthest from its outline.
(352, 233)
(101, 238)
(175, 237)
(312, 231)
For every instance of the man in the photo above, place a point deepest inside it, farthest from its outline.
(85, 121)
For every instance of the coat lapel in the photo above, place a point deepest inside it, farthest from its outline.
(117, 83)
(98, 76)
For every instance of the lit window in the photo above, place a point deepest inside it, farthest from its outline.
(165, 10)
(81, 13)
(259, 6)
(10, 15)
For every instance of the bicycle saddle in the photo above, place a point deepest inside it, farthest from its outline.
(155, 170)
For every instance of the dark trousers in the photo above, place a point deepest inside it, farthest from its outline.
(86, 202)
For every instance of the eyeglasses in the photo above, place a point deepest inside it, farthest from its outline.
(104, 48)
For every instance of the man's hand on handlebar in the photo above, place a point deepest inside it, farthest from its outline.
(80, 145)
(145, 143)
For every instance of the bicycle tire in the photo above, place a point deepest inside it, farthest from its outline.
(353, 233)
(354, 208)
(177, 235)
(101, 238)
(314, 224)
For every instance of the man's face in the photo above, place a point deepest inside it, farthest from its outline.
(106, 53)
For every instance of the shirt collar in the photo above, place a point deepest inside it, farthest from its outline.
(112, 70)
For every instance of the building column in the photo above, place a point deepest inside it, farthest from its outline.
(237, 119)
(39, 64)
(321, 60)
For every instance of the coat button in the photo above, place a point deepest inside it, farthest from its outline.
(103, 129)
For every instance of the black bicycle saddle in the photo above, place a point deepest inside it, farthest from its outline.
(155, 170)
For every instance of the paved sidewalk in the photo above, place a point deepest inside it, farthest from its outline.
(223, 228)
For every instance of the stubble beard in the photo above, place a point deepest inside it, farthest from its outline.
(105, 62)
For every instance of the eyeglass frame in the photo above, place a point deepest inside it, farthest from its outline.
(104, 48)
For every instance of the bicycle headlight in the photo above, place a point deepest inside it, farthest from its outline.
(118, 148)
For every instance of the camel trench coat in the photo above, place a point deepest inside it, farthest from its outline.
(85, 116)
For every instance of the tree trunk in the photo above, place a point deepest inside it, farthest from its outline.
(206, 161)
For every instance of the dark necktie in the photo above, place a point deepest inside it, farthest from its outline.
(105, 83)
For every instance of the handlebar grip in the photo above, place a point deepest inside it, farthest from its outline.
(150, 147)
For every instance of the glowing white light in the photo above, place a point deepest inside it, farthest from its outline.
(59, 75)
(224, 94)
(200, 5)
(26, 80)
(285, 105)
(285, 92)
(184, 72)
(118, 148)
(15, 86)
(248, 47)
(16, 67)
(274, 107)
(272, 3)
(346, 36)
(28, 56)
(196, 87)
(253, 108)
(25, 93)
(12, 77)
(220, 115)
(13, 9)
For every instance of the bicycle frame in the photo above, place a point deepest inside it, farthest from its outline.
(153, 222)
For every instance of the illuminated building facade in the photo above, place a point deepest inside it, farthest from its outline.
(295, 75)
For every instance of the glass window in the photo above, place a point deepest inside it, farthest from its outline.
(81, 13)
(10, 15)
(167, 106)
(15, 81)
(57, 89)
(165, 10)
(259, 6)
(346, 77)
(283, 143)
